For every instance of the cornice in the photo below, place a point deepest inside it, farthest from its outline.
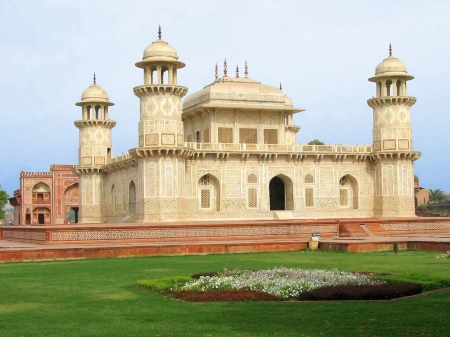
(160, 89)
(391, 100)
(109, 124)
(396, 155)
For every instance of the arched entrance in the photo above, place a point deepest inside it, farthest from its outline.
(281, 193)
(71, 203)
(277, 193)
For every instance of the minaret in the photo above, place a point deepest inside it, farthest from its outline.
(94, 151)
(392, 140)
(161, 149)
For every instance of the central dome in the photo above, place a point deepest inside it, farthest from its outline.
(242, 93)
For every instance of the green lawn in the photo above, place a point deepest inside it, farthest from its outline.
(99, 298)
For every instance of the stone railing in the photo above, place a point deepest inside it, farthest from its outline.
(439, 203)
(238, 147)
(117, 159)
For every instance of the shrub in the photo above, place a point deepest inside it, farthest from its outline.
(425, 281)
(209, 274)
(395, 248)
(221, 295)
(361, 292)
(162, 284)
(421, 208)
(445, 255)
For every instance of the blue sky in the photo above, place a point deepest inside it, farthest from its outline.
(322, 52)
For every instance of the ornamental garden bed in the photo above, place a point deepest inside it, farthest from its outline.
(289, 284)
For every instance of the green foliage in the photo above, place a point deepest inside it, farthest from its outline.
(437, 195)
(164, 284)
(316, 142)
(3, 201)
(395, 248)
(421, 208)
(428, 282)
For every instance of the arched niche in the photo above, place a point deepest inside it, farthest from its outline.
(348, 192)
(209, 193)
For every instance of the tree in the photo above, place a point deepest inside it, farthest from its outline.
(437, 195)
(3, 201)
(316, 142)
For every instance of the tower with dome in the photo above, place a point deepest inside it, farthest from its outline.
(392, 148)
(229, 152)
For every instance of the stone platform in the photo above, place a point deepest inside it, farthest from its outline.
(28, 243)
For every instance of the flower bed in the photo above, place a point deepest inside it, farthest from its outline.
(221, 296)
(362, 292)
(284, 283)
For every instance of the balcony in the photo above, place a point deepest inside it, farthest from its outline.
(297, 148)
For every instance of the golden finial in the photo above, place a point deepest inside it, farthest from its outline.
(217, 72)
(225, 68)
(246, 69)
(159, 32)
(390, 50)
(95, 79)
(237, 71)
(281, 87)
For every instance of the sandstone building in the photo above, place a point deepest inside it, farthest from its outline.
(228, 151)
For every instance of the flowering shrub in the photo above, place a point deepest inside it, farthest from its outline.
(222, 295)
(280, 282)
(362, 292)
(445, 255)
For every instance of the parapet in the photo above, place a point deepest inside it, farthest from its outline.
(61, 167)
(35, 174)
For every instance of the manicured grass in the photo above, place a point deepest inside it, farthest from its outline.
(99, 298)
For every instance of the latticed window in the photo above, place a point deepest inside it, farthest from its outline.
(343, 197)
(248, 136)
(252, 179)
(309, 179)
(309, 197)
(205, 201)
(225, 135)
(204, 181)
(270, 136)
(252, 198)
(206, 136)
(189, 138)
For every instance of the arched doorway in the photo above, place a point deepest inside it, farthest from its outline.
(277, 194)
(71, 203)
(281, 193)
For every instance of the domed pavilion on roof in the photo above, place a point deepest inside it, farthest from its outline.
(229, 151)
